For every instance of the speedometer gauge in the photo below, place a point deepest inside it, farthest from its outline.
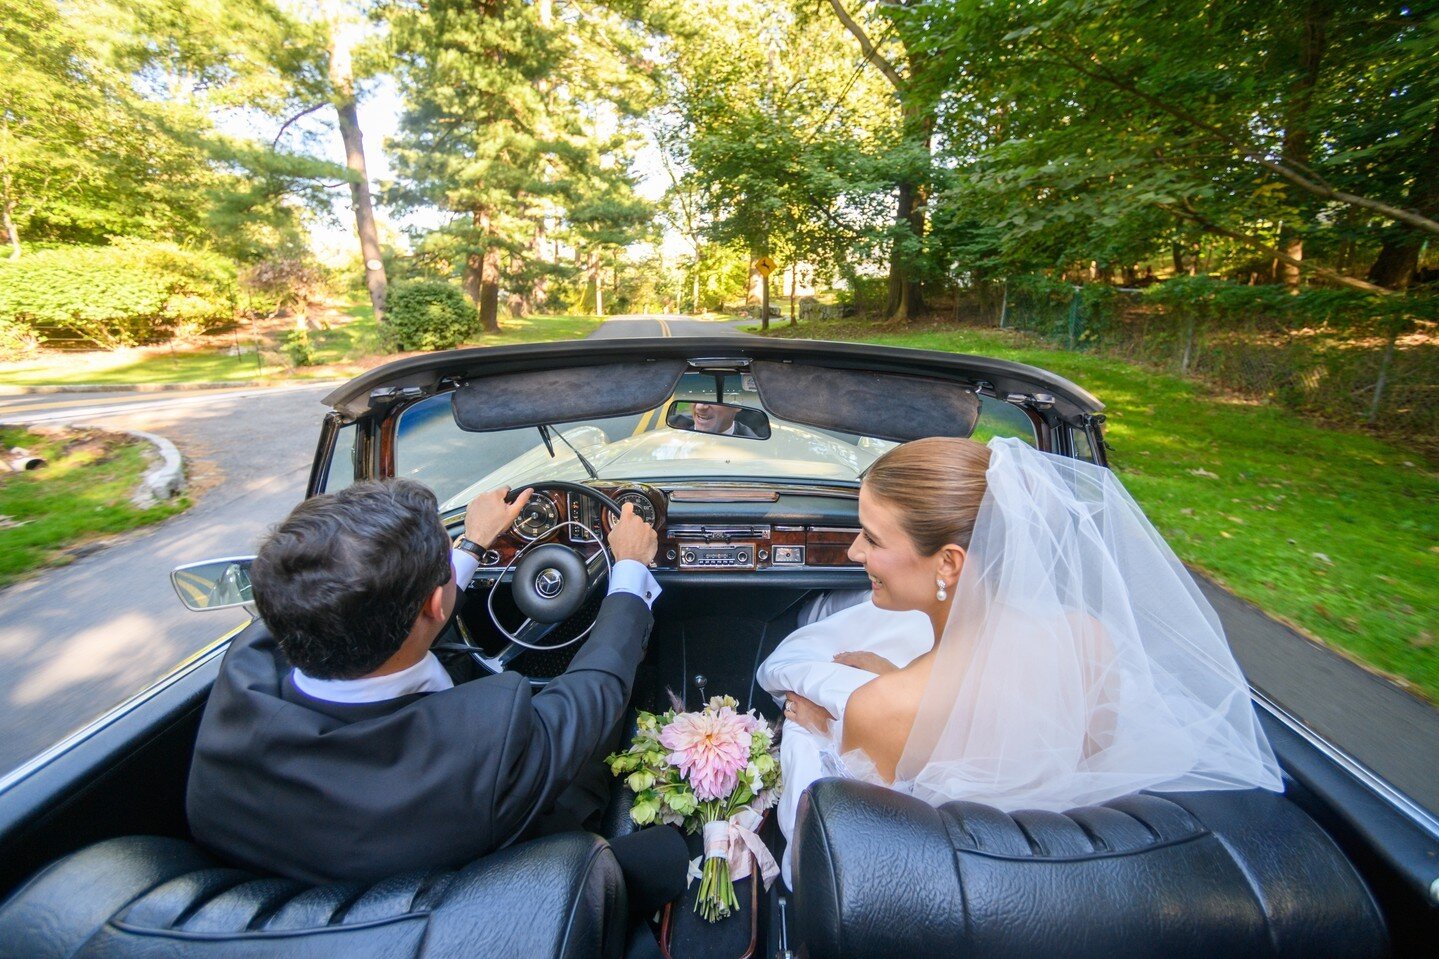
(644, 509)
(538, 517)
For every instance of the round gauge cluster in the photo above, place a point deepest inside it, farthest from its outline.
(644, 509)
(538, 516)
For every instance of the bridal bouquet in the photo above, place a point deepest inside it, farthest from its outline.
(714, 771)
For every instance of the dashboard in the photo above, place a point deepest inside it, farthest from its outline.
(704, 526)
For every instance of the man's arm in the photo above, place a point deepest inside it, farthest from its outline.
(553, 732)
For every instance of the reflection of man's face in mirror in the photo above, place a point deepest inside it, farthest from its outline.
(710, 418)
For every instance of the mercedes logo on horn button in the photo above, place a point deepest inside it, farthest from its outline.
(550, 582)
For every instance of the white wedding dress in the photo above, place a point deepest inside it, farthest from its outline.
(803, 663)
(1080, 662)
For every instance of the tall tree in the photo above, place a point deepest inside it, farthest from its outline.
(342, 37)
(502, 127)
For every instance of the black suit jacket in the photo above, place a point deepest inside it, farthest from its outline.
(321, 791)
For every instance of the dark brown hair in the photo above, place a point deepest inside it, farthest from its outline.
(936, 485)
(341, 580)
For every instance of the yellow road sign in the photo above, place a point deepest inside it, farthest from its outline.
(765, 265)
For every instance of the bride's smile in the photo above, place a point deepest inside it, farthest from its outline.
(901, 577)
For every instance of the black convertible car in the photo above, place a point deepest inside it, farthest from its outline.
(747, 456)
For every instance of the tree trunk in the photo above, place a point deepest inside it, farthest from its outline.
(482, 272)
(793, 289)
(539, 295)
(490, 288)
(1398, 258)
(1295, 149)
(695, 301)
(12, 235)
(343, 80)
(905, 299)
(7, 208)
(598, 282)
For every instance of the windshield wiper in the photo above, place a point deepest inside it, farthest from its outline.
(547, 431)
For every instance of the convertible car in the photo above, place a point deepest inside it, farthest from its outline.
(746, 455)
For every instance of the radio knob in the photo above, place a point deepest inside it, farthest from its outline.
(742, 556)
(689, 556)
(670, 555)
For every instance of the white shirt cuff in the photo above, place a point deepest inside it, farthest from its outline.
(465, 566)
(631, 576)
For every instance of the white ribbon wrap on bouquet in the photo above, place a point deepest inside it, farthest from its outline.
(735, 840)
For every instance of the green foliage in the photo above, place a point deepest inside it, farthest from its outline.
(17, 340)
(518, 123)
(133, 291)
(298, 348)
(428, 315)
(109, 114)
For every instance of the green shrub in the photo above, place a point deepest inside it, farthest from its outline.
(298, 348)
(428, 315)
(133, 291)
(17, 341)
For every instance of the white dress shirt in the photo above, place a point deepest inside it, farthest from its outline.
(428, 676)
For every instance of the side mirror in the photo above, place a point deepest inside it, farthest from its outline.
(718, 418)
(214, 584)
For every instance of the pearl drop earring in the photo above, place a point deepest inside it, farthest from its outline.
(941, 594)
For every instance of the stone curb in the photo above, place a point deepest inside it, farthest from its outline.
(131, 387)
(162, 480)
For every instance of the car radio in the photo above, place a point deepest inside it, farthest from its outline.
(700, 556)
(718, 547)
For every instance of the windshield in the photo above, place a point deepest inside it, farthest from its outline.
(431, 448)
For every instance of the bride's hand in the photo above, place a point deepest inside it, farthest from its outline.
(811, 716)
(869, 662)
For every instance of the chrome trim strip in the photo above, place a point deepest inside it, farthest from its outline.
(1421, 817)
(196, 661)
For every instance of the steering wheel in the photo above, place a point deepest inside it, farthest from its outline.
(553, 581)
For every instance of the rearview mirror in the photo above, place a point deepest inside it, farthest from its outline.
(214, 584)
(719, 418)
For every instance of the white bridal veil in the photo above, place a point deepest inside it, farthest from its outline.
(1080, 661)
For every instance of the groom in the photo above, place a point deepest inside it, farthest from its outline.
(335, 746)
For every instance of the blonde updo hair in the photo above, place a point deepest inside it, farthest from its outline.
(936, 485)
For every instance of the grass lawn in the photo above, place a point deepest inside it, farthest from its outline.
(82, 493)
(342, 350)
(1335, 532)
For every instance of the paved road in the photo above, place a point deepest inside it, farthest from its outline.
(77, 640)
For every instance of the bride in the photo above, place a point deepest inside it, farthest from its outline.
(1030, 642)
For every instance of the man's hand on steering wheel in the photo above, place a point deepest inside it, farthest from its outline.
(488, 515)
(632, 538)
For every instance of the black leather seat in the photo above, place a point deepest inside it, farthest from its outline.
(145, 896)
(1234, 874)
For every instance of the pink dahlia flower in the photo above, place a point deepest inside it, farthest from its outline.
(710, 749)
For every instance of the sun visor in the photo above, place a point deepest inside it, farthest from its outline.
(887, 406)
(510, 401)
